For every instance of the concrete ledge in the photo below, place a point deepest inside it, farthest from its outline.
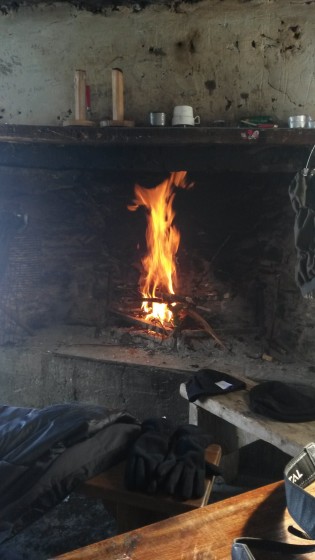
(118, 378)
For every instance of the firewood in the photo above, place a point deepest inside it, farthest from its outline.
(194, 315)
(140, 322)
(173, 298)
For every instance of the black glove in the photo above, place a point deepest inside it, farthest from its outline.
(182, 473)
(146, 454)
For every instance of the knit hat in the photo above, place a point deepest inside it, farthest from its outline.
(210, 382)
(286, 402)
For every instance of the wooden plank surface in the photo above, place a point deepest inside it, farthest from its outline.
(203, 534)
(233, 407)
(110, 486)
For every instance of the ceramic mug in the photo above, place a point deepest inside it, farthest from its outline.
(183, 111)
(183, 115)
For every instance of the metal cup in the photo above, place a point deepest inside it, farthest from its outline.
(299, 121)
(157, 118)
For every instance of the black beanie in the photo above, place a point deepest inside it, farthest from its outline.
(287, 402)
(210, 382)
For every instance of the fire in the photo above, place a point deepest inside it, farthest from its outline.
(162, 238)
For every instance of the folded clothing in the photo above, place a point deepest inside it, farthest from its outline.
(286, 402)
(209, 382)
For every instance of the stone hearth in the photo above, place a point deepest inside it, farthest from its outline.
(68, 363)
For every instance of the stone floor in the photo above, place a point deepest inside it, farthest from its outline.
(74, 523)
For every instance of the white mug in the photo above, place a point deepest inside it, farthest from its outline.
(183, 115)
(185, 121)
(183, 110)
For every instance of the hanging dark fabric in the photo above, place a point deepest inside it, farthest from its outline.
(302, 195)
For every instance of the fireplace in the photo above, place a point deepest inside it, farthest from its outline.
(69, 294)
(235, 268)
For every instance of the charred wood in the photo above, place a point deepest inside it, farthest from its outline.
(140, 322)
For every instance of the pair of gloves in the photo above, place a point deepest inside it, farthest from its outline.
(169, 461)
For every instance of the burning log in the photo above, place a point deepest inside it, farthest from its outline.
(173, 298)
(141, 322)
(186, 306)
(180, 311)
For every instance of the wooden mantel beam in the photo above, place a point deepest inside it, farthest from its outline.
(137, 136)
(203, 149)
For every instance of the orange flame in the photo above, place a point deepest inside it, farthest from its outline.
(162, 237)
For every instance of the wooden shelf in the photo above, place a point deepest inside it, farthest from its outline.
(203, 149)
(137, 136)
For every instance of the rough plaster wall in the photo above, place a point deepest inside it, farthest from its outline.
(227, 59)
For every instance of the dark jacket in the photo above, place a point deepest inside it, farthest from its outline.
(45, 453)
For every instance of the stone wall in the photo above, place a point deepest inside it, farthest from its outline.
(227, 59)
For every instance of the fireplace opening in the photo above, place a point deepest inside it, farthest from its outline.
(78, 262)
(235, 270)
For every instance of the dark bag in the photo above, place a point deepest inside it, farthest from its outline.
(298, 474)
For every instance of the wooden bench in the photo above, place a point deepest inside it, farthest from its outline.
(136, 509)
(229, 418)
(204, 533)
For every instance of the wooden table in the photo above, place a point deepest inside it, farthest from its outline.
(204, 534)
(232, 421)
